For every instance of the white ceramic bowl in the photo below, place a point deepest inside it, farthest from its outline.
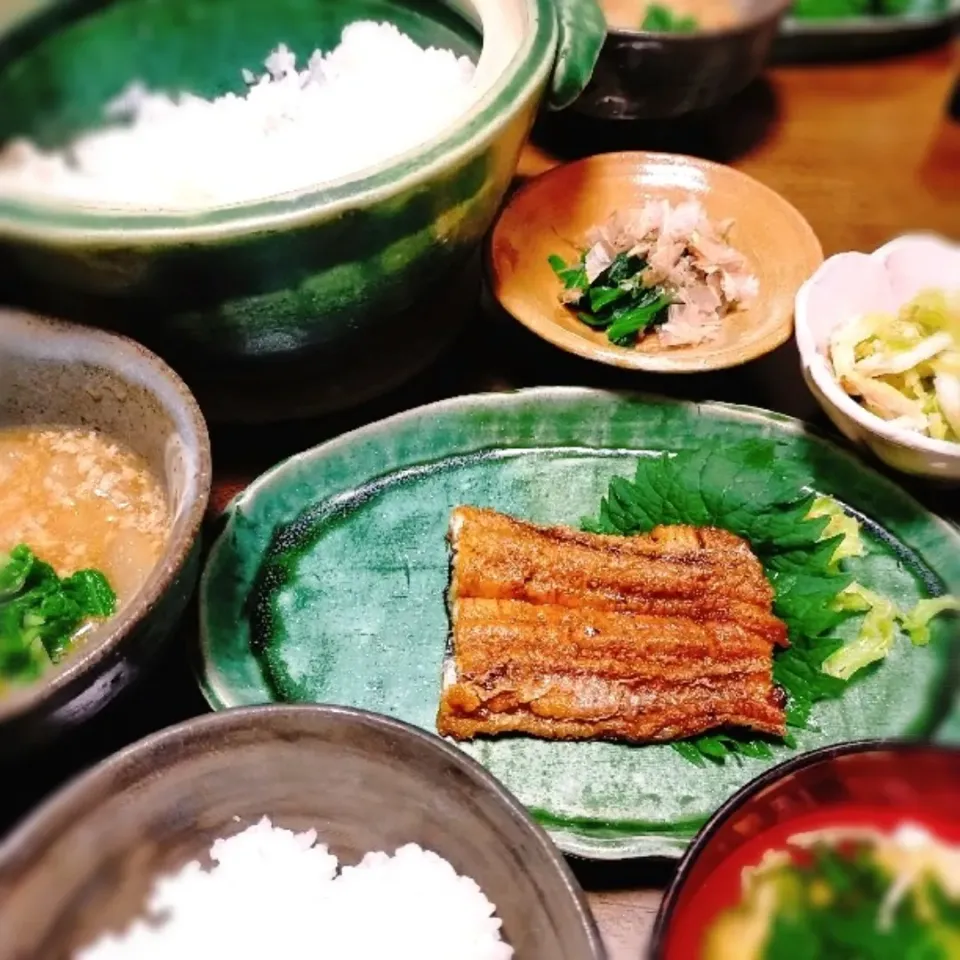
(850, 284)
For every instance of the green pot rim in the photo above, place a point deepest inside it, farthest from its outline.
(528, 71)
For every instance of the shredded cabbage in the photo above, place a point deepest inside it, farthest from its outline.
(878, 632)
(840, 524)
(917, 622)
(876, 637)
(905, 369)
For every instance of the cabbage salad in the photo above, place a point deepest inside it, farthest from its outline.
(905, 369)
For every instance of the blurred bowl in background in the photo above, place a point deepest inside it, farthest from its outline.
(918, 25)
(646, 76)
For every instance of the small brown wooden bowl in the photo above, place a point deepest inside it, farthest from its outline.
(554, 213)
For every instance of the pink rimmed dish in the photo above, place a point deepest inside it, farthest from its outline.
(853, 284)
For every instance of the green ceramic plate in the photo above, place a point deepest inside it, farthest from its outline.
(349, 605)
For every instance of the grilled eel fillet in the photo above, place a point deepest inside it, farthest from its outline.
(573, 636)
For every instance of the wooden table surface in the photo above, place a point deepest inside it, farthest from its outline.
(865, 152)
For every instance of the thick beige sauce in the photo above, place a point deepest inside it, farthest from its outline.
(80, 500)
(709, 14)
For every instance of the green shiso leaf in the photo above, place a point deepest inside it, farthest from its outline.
(801, 540)
(754, 492)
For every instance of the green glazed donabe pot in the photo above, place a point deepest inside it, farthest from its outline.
(294, 304)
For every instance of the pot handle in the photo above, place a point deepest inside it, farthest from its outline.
(583, 28)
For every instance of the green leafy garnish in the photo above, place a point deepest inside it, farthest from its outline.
(801, 539)
(879, 629)
(617, 300)
(839, 9)
(876, 637)
(40, 612)
(752, 492)
(14, 571)
(628, 323)
(839, 524)
(843, 898)
(835, 906)
(574, 276)
(916, 623)
(660, 19)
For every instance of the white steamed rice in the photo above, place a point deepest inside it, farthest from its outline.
(275, 893)
(377, 95)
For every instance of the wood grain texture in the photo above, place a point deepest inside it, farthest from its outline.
(625, 918)
(864, 151)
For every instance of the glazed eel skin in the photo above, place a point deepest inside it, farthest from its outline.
(573, 636)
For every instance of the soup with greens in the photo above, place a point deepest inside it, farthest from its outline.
(83, 521)
(847, 882)
(670, 16)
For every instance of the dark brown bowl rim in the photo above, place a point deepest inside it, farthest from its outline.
(34, 696)
(164, 746)
(744, 25)
(746, 793)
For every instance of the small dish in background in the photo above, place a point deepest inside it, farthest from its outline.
(871, 784)
(85, 862)
(553, 214)
(848, 285)
(645, 75)
(901, 28)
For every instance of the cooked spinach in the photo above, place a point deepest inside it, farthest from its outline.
(617, 300)
(40, 612)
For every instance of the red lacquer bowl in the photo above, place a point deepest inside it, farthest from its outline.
(869, 783)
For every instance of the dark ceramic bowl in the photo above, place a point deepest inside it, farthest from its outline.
(54, 373)
(300, 303)
(889, 779)
(86, 861)
(648, 76)
(858, 38)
